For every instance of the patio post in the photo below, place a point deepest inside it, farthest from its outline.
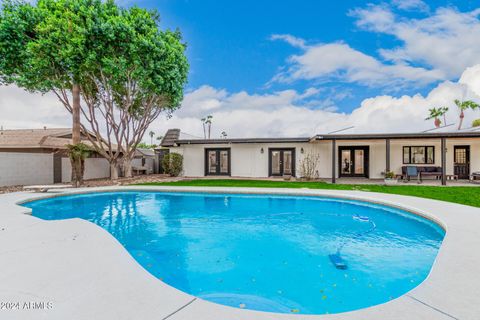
(444, 161)
(387, 156)
(334, 151)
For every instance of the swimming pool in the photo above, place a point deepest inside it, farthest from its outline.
(264, 252)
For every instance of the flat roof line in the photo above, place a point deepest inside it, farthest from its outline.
(326, 137)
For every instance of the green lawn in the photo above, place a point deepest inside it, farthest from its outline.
(463, 195)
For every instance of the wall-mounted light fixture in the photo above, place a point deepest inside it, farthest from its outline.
(302, 151)
(261, 150)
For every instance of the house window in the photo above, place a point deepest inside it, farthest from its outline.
(419, 155)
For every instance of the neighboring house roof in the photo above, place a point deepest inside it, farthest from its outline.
(55, 138)
(170, 137)
(34, 138)
(139, 152)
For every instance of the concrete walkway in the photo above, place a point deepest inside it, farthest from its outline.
(73, 269)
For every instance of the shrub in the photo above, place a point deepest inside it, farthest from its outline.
(476, 123)
(389, 175)
(172, 163)
(308, 166)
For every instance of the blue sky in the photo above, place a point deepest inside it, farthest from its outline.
(230, 46)
(299, 68)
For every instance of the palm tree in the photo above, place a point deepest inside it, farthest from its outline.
(203, 124)
(77, 154)
(224, 135)
(443, 112)
(464, 105)
(435, 114)
(207, 123)
(151, 134)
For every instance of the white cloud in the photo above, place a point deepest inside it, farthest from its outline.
(288, 38)
(411, 5)
(287, 114)
(338, 61)
(379, 16)
(446, 41)
(437, 47)
(283, 113)
(20, 109)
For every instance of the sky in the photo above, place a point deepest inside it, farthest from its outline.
(298, 68)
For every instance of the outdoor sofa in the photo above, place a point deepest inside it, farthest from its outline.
(421, 172)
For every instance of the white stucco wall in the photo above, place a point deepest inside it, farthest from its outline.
(95, 168)
(25, 168)
(248, 161)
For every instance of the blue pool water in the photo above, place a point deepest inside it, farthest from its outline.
(264, 252)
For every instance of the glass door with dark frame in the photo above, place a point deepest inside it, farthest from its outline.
(217, 162)
(461, 166)
(353, 161)
(282, 162)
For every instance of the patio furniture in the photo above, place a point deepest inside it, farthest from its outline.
(410, 171)
(435, 172)
(46, 188)
(421, 172)
(474, 176)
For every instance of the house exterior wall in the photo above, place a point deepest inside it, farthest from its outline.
(95, 168)
(24, 168)
(248, 161)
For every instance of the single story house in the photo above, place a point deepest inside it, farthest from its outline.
(39, 156)
(444, 154)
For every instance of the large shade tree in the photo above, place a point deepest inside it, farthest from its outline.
(118, 60)
(44, 48)
(138, 73)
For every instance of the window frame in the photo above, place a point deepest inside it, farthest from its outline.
(425, 147)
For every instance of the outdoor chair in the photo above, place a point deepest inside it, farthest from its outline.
(412, 171)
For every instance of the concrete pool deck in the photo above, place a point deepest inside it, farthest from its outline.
(79, 271)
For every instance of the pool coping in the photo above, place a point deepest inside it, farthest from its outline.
(451, 291)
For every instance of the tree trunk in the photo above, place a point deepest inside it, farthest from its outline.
(113, 171)
(76, 114)
(462, 115)
(77, 171)
(74, 179)
(127, 167)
